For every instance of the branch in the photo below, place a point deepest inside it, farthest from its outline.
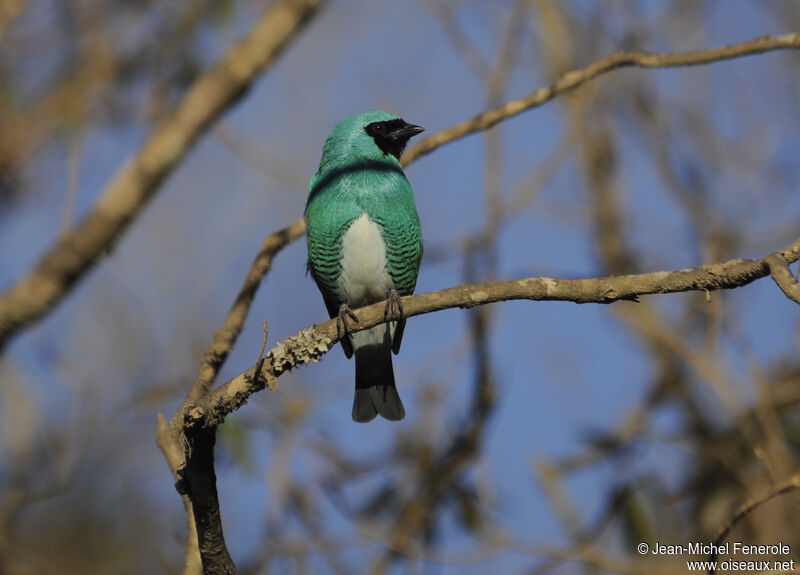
(173, 453)
(780, 272)
(77, 251)
(744, 510)
(575, 78)
(218, 350)
(198, 481)
(314, 342)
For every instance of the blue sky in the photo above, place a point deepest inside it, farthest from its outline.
(562, 369)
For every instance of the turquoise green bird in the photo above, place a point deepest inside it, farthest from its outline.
(365, 246)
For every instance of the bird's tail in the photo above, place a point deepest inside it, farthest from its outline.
(375, 389)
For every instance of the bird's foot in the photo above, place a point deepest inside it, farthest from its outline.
(394, 306)
(342, 324)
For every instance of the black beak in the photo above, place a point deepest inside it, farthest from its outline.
(405, 132)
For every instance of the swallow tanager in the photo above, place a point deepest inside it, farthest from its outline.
(365, 246)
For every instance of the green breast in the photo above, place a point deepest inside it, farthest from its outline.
(337, 199)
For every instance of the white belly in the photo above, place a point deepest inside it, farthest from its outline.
(364, 278)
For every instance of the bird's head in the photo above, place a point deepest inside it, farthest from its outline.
(373, 135)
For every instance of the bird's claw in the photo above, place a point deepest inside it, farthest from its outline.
(394, 306)
(342, 324)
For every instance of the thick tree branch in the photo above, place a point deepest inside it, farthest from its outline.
(313, 342)
(198, 481)
(174, 454)
(136, 182)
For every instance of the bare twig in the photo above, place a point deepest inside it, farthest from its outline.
(744, 510)
(572, 80)
(217, 351)
(263, 341)
(77, 251)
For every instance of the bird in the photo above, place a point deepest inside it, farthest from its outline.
(365, 246)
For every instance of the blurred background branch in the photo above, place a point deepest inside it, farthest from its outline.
(138, 180)
(540, 438)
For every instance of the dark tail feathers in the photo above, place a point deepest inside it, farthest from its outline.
(375, 389)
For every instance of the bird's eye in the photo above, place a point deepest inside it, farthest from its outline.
(379, 128)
